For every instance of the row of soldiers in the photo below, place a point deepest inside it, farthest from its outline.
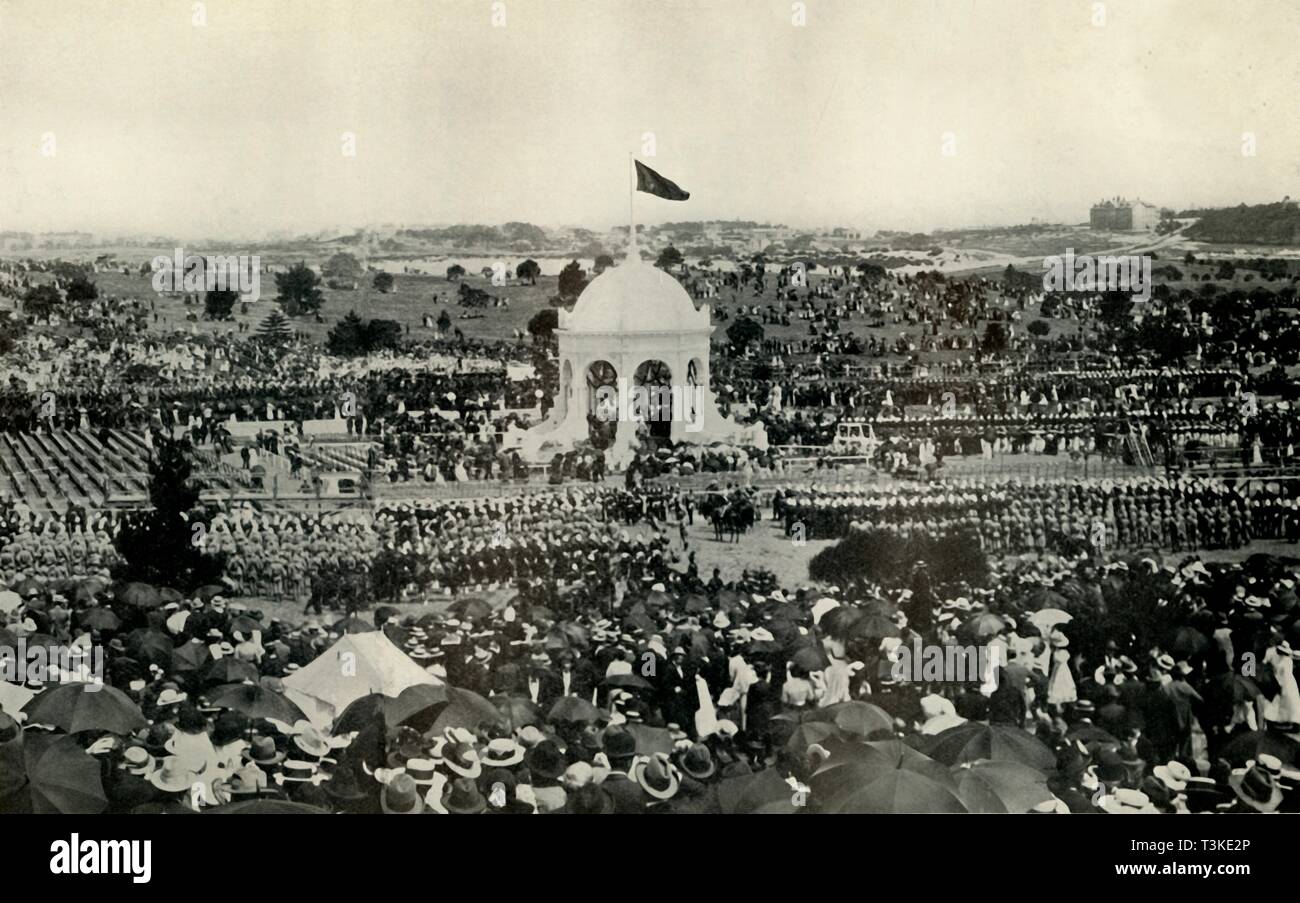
(1184, 515)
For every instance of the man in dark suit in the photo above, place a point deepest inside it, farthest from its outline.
(539, 683)
(619, 747)
(1007, 702)
(574, 677)
(678, 698)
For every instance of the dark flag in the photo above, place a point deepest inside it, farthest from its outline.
(651, 182)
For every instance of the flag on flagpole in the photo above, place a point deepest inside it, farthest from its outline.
(651, 182)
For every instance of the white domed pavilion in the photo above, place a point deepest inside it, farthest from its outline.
(634, 325)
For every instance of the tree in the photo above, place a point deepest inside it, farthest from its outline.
(275, 329)
(669, 257)
(11, 331)
(878, 555)
(165, 547)
(995, 338)
(528, 270)
(603, 262)
(347, 338)
(82, 289)
(573, 279)
(66, 270)
(41, 301)
(219, 304)
(544, 323)
(343, 267)
(1115, 307)
(299, 290)
(381, 334)
(744, 332)
(384, 282)
(872, 271)
(455, 272)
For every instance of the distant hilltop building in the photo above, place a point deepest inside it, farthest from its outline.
(1120, 215)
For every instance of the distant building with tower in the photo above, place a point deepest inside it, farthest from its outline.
(1121, 215)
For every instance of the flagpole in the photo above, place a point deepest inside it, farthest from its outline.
(633, 254)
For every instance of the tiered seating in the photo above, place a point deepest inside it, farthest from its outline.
(337, 456)
(53, 470)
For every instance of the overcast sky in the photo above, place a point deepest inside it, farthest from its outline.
(235, 128)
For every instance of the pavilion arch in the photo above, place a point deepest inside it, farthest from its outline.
(602, 404)
(657, 376)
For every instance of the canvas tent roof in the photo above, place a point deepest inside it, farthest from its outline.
(358, 664)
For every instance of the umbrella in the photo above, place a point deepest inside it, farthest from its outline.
(228, 670)
(1251, 745)
(697, 604)
(852, 764)
(731, 601)
(206, 593)
(637, 618)
(141, 595)
(466, 709)
(1042, 597)
(169, 595)
(256, 701)
(517, 712)
(1089, 734)
(61, 776)
(985, 624)
(566, 635)
(471, 608)
(414, 700)
(28, 586)
(860, 718)
(575, 633)
(810, 658)
(574, 709)
(650, 740)
(873, 627)
(192, 657)
(764, 793)
(897, 791)
(628, 681)
(1047, 618)
(1188, 641)
(75, 707)
(99, 618)
(9, 600)
(352, 625)
(999, 742)
(1000, 787)
(266, 807)
(810, 732)
(245, 625)
(150, 646)
(415, 705)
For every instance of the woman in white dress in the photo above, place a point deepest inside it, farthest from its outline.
(1060, 682)
(1286, 705)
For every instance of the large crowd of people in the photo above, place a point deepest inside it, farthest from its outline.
(1117, 686)
(558, 647)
